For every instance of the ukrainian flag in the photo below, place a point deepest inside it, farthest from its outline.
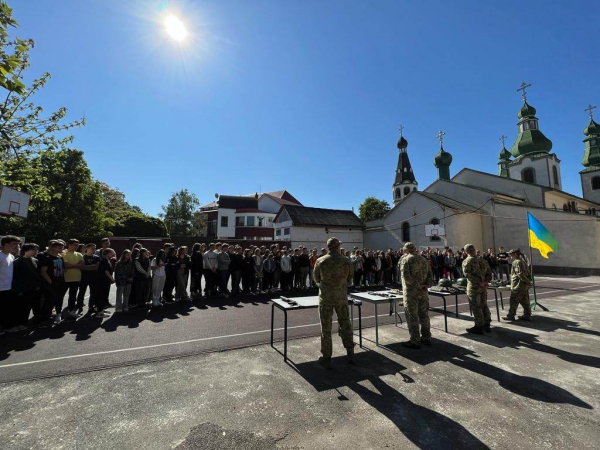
(540, 237)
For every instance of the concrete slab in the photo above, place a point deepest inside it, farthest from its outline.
(527, 385)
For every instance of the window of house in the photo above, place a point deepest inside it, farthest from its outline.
(529, 175)
(239, 221)
(555, 175)
(225, 221)
(270, 220)
(406, 190)
(277, 232)
(260, 221)
(250, 221)
(286, 231)
(435, 221)
(405, 232)
(595, 183)
(565, 207)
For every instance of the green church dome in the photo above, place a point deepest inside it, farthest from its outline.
(504, 154)
(402, 143)
(592, 128)
(526, 111)
(442, 159)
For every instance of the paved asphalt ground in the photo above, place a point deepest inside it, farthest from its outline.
(189, 328)
(533, 385)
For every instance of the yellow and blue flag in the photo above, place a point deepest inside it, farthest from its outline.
(540, 238)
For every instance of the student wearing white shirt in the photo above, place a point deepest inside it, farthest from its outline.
(9, 247)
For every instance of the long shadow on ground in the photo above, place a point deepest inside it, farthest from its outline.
(424, 427)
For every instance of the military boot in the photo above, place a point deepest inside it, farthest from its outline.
(487, 327)
(525, 318)
(426, 342)
(410, 344)
(350, 358)
(508, 318)
(475, 330)
(325, 362)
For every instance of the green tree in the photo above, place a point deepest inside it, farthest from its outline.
(178, 214)
(140, 225)
(372, 208)
(66, 201)
(11, 53)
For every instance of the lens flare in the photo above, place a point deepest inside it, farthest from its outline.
(175, 28)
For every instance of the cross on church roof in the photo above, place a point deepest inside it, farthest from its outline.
(502, 139)
(590, 109)
(440, 136)
(401, 128)
(522, 88)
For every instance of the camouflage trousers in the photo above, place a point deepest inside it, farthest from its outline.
(416, 308)
(479, 306)
(343, 315)
(519, 298)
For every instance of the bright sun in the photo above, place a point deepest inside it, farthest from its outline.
(175, 28)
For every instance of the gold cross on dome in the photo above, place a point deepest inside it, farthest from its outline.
(590, 109)
(522, 88)
(502, 139)
(440, 136)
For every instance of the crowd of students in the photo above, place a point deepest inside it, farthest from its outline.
(38, 282)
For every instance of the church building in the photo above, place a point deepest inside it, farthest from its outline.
(490, 210)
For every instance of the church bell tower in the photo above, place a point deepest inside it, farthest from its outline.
(405, 181)
(590, 176)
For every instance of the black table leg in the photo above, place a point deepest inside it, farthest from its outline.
(285, 337)
(497, 308)
(272, 322)
(360, 325)
(445, 314)
(501, 301)
(456, 301)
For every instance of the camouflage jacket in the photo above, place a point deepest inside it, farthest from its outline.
(473, 272)
(520, 277)
(416, 272)
(486, 270)
(332, 273)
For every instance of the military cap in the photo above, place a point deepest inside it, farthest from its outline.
(333, 242)
(514, 250)
(469, 247)
(410, 246)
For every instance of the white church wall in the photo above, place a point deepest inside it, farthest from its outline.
(534, 194)
(578, 238)
(586, 186)
(463, 229)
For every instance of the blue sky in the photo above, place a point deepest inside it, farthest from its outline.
(308, 96)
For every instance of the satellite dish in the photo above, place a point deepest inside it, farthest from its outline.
(216, 195)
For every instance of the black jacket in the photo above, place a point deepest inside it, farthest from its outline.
(26, 277)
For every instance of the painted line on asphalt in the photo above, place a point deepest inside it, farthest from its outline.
(108, 352)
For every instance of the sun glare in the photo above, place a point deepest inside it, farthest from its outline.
(175, 28)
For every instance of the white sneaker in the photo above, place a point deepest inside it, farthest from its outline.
(57, 318)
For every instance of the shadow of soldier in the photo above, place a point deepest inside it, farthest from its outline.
(550, 324)
(525, 386)
(424, 427)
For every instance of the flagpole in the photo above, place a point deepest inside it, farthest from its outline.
(531, 264)
(535, 302)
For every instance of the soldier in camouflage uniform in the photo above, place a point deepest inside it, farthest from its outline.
(487, 277)
(416, 279)
(332, 274)
(520, 282)
(475, 288)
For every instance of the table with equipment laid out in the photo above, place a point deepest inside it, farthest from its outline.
(377, 298)
(286, 304)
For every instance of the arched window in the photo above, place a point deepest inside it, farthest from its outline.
(405, 232)
(435, 221)
(406, 190)
(565, 207)
(554, 206)
(595, 183)
(414, 189)
(555, 175)
(397, 192)
(528, 175)
(574, 207)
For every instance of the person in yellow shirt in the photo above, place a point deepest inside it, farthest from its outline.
(73, 261)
